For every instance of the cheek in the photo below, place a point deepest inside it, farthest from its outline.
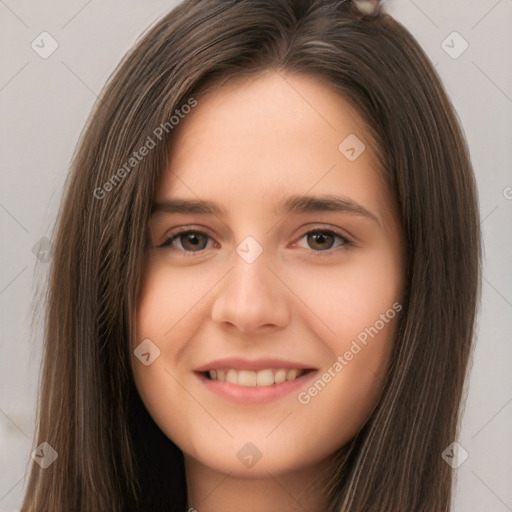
(168, 298)
(358, 303)
(161, 317)
(352, 296)
(170, 303)
(157, 320)
(350, 383)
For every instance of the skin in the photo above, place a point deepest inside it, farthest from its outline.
(247, 146)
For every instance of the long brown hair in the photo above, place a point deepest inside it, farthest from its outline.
(111, 455)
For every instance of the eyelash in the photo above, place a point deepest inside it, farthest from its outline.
(346, 243)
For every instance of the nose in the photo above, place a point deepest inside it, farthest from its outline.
(251, 298)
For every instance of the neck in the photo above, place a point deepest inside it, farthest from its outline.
(303, 490)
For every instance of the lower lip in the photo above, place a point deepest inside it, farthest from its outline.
(255, 394)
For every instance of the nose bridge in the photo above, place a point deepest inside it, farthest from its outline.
(250, 297)
(250, 275)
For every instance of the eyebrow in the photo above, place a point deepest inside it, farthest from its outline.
(293, 204)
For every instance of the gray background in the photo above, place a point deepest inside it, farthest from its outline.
(44, 104)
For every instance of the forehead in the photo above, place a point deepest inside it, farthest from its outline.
(271, 103)
(270, 131)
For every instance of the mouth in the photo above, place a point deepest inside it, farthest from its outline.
(246, 382)
(247, 387)
(261, 378)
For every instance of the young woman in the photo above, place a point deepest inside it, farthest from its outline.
(266, 273)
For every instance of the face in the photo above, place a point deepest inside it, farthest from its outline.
(268, 317)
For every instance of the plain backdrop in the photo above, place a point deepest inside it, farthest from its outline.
(44, 103)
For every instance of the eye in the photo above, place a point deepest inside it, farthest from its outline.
(189, 242)
(322, 240)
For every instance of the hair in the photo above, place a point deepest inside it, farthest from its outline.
(111, 455)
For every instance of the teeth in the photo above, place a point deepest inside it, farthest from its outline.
(280, 376)
(291, 374)
(264, 378)
(232, 377)
(261, 378)
(246, 378)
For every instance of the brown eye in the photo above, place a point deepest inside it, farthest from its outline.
(320, 240)
(192, 241)
(188, 241)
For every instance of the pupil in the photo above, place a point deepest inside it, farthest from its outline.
(320, 238)
(192, 239)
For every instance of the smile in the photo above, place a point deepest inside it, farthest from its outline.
(261, 378)
(246, 387)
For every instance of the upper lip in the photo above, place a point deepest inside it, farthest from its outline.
(239, 363)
